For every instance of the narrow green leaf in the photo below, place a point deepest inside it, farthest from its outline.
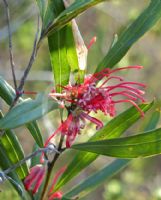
(71, 12)
(53, 9)
(89, 184)
(140, 145)
(7, 93)
(71, 50)
(27, 111)
(13, 150)
(97, 178)
(58, 57)
(58, 51)
(36, 159)
(35, 131)
(42, 4)
(136, 30)
(115, 128)
(5, 163)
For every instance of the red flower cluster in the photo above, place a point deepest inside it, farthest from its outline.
(94, 95)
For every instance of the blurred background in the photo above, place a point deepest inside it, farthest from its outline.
(141, 180)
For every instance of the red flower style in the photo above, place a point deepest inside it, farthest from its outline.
(72, 126)
(33, 181)
(35, 178)
(56, 195)
(95, 96)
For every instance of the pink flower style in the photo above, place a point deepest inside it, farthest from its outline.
(92, 95)
(56, 195)
(33, 181)
(35, 178)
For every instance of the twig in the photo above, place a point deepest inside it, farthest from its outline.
(10, 44)
(49, 149)
(32, 59)
(51, 165)
(3, 174)
(50, 168)
(21, 162)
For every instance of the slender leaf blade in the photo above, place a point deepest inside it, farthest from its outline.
(97, 178)
(27, 111)
(115, 128)
(7, 93)
(145, 21)
(58, 50)
(104, 174)
(71, 49)
(5, 163)
(58, 57)
(36, 133)
(53, 9)
(140, 145)
(42, 4)
(14, 150)
(70, 13)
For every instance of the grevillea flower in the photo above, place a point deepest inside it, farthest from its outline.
(96, 94)
(33, 181)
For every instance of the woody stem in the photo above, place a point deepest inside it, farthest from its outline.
(50, 168)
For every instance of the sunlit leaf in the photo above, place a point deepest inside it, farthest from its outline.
(5, 163)
(71, 49)
(58, 51)
(58, 57)
(14, 151)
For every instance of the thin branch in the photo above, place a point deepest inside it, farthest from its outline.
(49, 149)
(32, 58)
(10, 44)
(52, 164)
(50, 168)
(28, 68)
(21, 162)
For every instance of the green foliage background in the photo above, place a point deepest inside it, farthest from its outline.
(141, 179)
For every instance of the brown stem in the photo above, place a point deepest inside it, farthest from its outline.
(27, 70)
(50, 168)
(10, 44)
